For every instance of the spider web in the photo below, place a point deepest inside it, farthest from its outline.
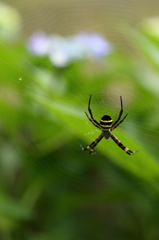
(68, 18)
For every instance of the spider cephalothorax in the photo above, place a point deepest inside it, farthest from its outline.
(107, 125)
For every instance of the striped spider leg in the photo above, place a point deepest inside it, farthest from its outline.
(119, 143)
(93, 144)
(91, 118)
(118, 121)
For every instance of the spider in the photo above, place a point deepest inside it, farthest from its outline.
(107, 125)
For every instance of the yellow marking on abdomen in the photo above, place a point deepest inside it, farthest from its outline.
(106, 120)
(105, 125)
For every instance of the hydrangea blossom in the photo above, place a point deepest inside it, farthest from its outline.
(59, 52)
(39, 43)
(63, 50)
(95, 44)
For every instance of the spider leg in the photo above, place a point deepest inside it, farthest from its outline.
(90, 111)
(119, 143)
(93, 144)
(120, 113)
(95, 124)
(117, 124)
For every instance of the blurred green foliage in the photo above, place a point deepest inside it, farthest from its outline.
(49, 188)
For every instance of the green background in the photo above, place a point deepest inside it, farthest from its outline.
(49, 188)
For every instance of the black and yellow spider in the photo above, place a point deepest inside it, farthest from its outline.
(106, 125)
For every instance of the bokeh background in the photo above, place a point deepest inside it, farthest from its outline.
(53, 55)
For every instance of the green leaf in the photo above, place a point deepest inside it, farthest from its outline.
(141, 164)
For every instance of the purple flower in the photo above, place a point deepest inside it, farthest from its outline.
(39, 44)
(95, 44)
(64, 50)
(59, 52)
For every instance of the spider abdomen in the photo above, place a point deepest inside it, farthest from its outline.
(106, 122)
